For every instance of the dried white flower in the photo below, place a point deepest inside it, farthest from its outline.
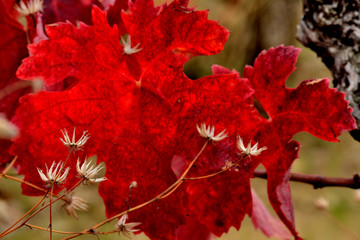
(228, 165)
(208, 132)
(249, 150)
(321, 203)
(88, 171)
(133, 184)
(127, 46)
(75, 203)
(53, 175)
(357, 196)
(29, 8)
(126, 228)
(71, 144)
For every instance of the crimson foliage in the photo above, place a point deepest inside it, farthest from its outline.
(141, 111)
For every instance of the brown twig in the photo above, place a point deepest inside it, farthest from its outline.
(24, 223)
(3, 173)
(50, 210)
(12, 228)
(160, 196)
(31, 226)
(318, 181)
(24, 182)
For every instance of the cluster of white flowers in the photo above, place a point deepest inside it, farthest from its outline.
(29, 8)
(208, 132)
(87, 170)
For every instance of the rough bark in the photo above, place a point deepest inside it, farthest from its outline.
(331, 28)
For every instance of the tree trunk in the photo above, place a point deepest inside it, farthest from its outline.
(331, 28)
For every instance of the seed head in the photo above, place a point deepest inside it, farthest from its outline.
(126, 228)
(29, 8)
(228, 165)
(127, 46)
(72, 144)
(53, 175)
(88, 171)
(249, 150)
(321, 203)
(208, 132)
(75, 203)
(357, 195)
(133, 184)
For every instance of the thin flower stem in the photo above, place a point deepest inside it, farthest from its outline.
(11, 229)
(110, 232)
(206, 176)
(194, 178)
(172, 190)
(227, 168)
(342, 226)
(31, 226)
(52, 189)
(50, 210)
(24, 182)
(177, 184)
(62, 167)
(39, 188)
(169, 189)
(57, 199)
(46, 229)
(72, 188)
(8, 167)
(42, 208)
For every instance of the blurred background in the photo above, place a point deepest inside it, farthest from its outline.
(255, 25)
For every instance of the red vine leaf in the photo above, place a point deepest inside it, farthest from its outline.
(141, 112)
(114, 14)
(311, 107)
(261, 218)
(132, 117)
(223, 101)
(193, 230)
(222, 201)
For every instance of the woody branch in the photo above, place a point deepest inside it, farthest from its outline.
(318, 181)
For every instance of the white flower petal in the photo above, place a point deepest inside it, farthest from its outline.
(249, 150)
(72, 144)
(89, 171)
(54, 175)
(127, 46)
(208, 132)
